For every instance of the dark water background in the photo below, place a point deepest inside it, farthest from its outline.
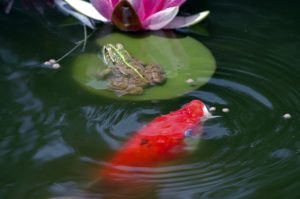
(54, 136)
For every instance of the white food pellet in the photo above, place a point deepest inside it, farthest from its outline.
(52, 61)
(56, 66)
(189, 81)
(212, 108)
(47, 63)
(287, 116)
(225, 110)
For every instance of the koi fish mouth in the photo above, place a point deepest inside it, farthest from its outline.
(207, 114)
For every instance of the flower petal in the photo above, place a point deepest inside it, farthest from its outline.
(160, 19)
(86, 9)
(104, 7)
(114, 2)
(68, 10)
(153, 6)
(135, 4)
(172, 3)
(8, 5)
(180, 22)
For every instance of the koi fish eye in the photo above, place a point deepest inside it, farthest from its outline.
(188, 133)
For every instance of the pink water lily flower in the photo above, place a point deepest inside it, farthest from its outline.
(137, 14)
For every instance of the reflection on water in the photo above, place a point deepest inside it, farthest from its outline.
(55, 137)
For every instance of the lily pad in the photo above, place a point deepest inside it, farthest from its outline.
(182, 58)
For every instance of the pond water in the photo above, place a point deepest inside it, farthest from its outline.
(55, 136)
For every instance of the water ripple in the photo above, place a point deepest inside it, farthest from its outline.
(55, 138)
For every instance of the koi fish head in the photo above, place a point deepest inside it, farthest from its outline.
(186, 121)
(196, 110)
(194, 113)
(174, 134)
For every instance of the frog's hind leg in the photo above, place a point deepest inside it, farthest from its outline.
(120, 93)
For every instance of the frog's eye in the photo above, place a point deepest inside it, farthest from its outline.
(188, 133)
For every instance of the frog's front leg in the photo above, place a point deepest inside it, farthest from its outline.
(102, 74)
(155, 74)
(130, 90)
(134, 90)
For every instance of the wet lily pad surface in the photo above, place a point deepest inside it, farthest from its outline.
(182, 58)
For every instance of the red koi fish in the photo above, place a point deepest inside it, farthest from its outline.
(164, 139)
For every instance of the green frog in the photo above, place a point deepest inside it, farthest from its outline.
(126, 74)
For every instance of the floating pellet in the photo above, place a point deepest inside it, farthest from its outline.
(212, 109)
(47, 63)
(225, 110)
(52, 61)
(190, 81)
(287, 116)
(56, 66)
